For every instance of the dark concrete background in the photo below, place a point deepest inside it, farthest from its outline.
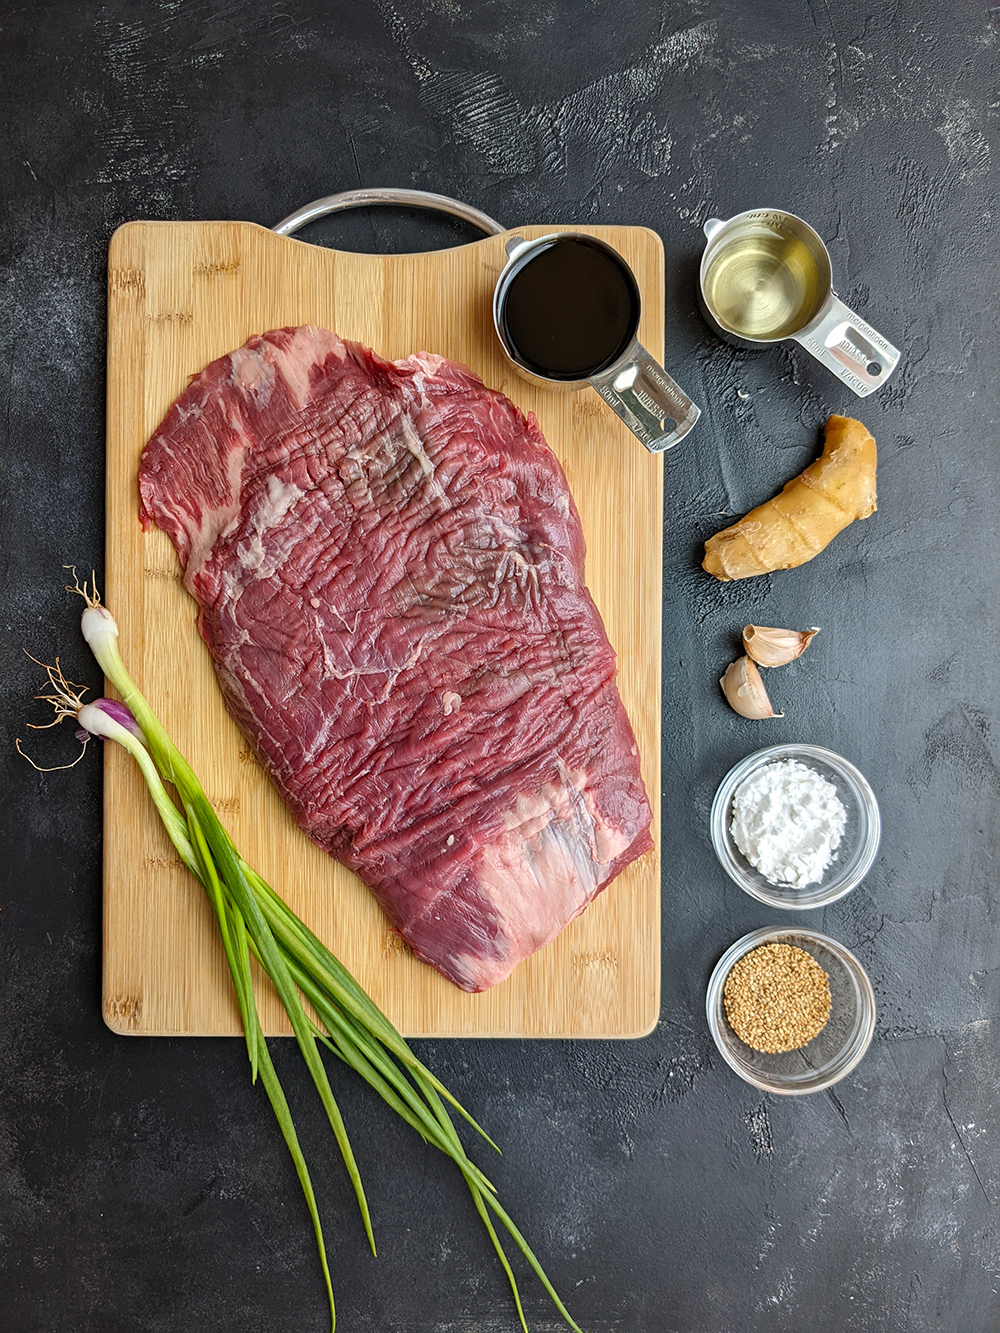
(143, 1185)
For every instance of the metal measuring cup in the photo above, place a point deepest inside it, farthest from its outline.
(637, 388)
(827, 328)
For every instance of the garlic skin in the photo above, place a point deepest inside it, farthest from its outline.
(771, 647)
(744, 690)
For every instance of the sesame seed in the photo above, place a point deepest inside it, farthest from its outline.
(777, 998)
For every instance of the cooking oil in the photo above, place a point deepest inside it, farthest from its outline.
(763, 285)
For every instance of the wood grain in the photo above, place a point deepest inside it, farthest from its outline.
(180, 295)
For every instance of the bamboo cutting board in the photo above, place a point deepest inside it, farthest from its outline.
(180, 295)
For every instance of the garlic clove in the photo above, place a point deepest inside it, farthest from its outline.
(744, 690)
(771, 647)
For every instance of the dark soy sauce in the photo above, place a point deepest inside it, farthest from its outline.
(571, 310)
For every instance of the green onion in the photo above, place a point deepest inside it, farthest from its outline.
(254, 920)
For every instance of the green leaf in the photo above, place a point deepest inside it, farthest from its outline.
(231, 873)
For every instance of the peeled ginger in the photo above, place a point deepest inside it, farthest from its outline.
(811, 509)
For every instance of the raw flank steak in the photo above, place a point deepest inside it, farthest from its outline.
(390, 571)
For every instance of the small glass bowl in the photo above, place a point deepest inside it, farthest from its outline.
(832, 1053)
(853, 857)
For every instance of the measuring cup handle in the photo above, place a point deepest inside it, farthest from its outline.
(655, 408)
(852, 349)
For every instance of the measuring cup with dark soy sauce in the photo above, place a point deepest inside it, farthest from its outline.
(566, 310)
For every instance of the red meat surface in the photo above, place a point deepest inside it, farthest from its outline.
(390, 574)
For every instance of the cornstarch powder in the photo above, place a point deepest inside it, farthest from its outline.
(788, 822)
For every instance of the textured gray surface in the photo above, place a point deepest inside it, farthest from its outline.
(142, 1183)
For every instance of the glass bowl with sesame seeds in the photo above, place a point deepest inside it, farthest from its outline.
(792, 1011)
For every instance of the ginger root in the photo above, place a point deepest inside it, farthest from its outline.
(811, 509)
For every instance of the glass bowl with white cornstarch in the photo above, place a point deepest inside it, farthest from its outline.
(795, 826)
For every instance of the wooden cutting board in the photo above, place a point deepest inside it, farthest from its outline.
(180, 295)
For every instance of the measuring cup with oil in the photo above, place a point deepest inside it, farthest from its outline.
(566, 310)
(766, 276)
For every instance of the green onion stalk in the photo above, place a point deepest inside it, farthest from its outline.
(254, 920)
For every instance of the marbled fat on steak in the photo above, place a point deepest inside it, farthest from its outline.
(389, 567)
